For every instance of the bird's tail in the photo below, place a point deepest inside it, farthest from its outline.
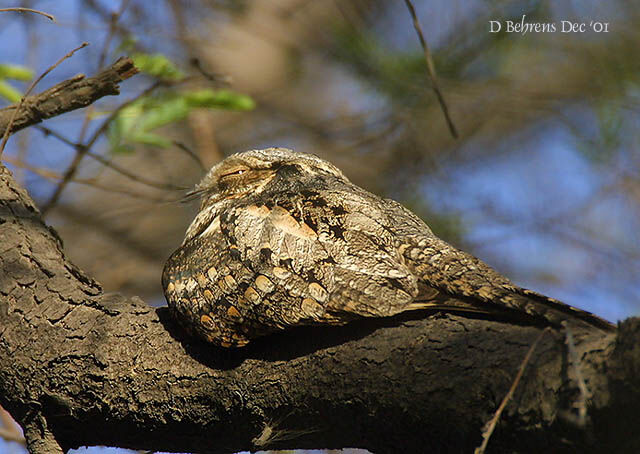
(557, 312)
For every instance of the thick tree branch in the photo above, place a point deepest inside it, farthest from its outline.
(71, 94)
(82, 368)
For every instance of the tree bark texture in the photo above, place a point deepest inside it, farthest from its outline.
(83, 367)
(71, 94)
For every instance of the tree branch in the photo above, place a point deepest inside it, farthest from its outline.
(68, 95)
(105, 369)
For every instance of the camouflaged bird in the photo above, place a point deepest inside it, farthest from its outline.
(285, 239)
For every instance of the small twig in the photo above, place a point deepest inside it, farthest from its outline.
(83, 149)
(50, 132)
(44, 173)
(29, 10)
(56, 177)
(191, 154)
(110, 164)
(112, 29)
(132, 176)
(7, 131)
(105, 124)
(491, 425)
(115, 190)
(55, 65)
(431, 69)
(212, 77)
(103, 56)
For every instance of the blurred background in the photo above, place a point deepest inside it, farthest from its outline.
(543, 182)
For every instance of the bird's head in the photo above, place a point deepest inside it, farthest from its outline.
(249, 172)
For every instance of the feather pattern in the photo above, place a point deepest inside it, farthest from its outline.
(285, 239)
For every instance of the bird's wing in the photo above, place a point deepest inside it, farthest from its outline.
(441, 266)
(328, 255)
(200, 282)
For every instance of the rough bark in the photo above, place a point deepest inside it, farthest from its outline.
(81, 367)
(68, 95)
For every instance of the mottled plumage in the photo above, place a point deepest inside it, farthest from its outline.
(285, 239)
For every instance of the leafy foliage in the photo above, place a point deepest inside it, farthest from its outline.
(157, 65)
(136, 122)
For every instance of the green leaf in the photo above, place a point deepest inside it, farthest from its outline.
(220, 99)
(157, 65)
(15, 72)
(150, 138)
(162, 113)
(8, 92)
(135, 123)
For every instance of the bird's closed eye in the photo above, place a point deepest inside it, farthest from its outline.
(234, 172)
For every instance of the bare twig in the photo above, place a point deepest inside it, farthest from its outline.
(44, 173)
(53, 176)
(101, 9)
(7, 131)
(55, 65)
(110, 164)
(431, 69)
(105, 124)
(130, 193)
(103, 55)
(132, 176)
(491, 425)
(191, 154)
(29, 10)
(83, 149)
(113, 20)
(112, 29)
(31, 61)
(50, 132)
(224, 79)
